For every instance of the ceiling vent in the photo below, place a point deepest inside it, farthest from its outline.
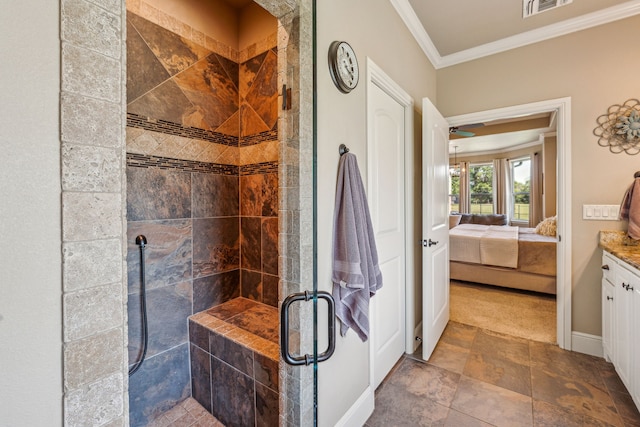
(533, 7)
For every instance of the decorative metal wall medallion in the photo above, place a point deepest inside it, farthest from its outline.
(619, 128)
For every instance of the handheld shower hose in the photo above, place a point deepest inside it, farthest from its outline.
(142, 242)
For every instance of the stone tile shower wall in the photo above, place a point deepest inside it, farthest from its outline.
(93, 110)
(202, 186)
(93, 219)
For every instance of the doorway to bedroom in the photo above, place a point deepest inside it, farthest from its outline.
(509, 172)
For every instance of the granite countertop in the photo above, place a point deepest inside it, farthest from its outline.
(618, 244)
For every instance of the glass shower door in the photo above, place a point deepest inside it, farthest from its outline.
(313, 296)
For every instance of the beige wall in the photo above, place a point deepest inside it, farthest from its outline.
(30, 246)
(550, 180)
(342, 119)
(596, 68)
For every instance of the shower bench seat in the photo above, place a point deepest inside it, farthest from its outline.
(234, 362)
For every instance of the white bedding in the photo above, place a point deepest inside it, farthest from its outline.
(464, 243)
(499, 246)
(484, 244)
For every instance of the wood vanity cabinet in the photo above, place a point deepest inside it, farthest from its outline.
(621, 320)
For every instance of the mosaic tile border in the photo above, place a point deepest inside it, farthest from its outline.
(259, 138)
(145, 161)
(170, 128)
(163, 126)
(259, 168)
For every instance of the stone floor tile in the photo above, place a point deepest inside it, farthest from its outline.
(422, 380)
(573, 394)
(499, 371)
(570, 364)
(459, 334)
(458, 419)
(396, 406)
(492, 404)
(450, 357)
(545, 414)
(175, 413)
(625, 406)
(502, 346)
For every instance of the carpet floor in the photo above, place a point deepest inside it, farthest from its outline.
(517, 313)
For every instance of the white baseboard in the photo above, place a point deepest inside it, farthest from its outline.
(359, 412)
(587, 344)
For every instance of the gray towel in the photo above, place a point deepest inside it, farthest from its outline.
(356, 273)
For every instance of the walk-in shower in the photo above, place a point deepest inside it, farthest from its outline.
(202, 186)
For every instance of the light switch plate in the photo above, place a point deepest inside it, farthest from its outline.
(600, 212)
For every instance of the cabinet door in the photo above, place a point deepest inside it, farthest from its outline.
(607, 319)
(609, 266)
(622, 332)
(635, 330)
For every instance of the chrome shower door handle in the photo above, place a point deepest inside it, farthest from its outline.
(307, 359)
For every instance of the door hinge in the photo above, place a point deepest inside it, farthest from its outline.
(286, 98)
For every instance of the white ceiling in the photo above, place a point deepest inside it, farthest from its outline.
(455, 31)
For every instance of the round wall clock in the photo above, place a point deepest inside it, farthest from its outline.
(343, 66)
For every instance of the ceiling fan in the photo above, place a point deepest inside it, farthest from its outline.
(461, 130)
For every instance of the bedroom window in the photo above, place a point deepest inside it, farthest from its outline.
(454, 189)
(521, 188)
(481, 188)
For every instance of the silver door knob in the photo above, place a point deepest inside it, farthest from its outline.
(429, 243)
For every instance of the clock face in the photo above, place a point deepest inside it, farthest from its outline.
(343, 66)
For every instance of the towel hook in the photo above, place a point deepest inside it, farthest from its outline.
(343, 149)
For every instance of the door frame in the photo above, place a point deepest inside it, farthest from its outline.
(563, 195)
(376, 76)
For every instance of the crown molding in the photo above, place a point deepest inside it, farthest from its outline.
(583, 22)
(412, 22)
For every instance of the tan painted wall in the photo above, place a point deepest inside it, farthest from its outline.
(550, 180)
(596, 68)
(342, 119)
(30, 224)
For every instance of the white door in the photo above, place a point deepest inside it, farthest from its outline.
(386, 194)
(435, 226)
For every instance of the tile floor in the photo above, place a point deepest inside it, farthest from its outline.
(480, 378)
(189, 413)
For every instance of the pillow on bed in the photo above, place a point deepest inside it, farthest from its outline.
(547, 227)
(454, 220)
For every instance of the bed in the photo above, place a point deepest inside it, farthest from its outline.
(511, 257)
